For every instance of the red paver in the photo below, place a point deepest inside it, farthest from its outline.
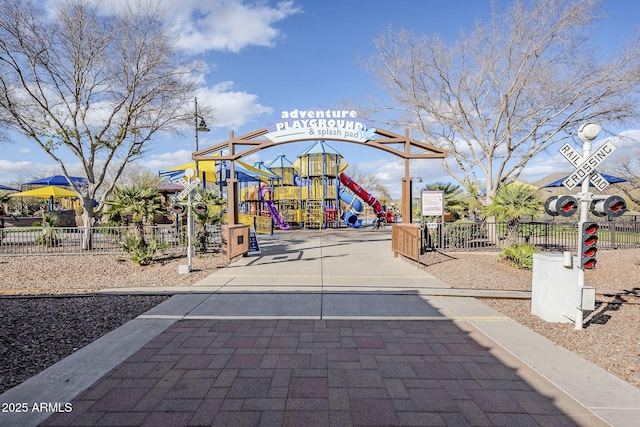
(312, 372)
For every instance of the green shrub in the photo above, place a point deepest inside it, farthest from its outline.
(50, 236)
(520, 256)
(142, 251)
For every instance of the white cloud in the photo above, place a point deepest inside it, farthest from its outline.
(231, 109)
(12, 168)
(542, 166)
(26, 171)
(164, 161)
(227, 25)
(627, 144)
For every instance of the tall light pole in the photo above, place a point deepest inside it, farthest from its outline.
(200, 126)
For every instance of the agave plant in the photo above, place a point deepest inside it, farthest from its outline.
(520, 256)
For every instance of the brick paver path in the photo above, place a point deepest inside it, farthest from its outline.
(312, 373)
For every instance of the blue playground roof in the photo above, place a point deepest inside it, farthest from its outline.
(281, 162)
(4, 187)
(261, 166)
(320, 147)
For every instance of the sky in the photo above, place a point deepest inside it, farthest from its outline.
(267, 56)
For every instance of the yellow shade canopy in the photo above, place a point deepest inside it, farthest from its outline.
(46, 192)
(209, 168)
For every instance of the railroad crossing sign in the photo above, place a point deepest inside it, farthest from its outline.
(575, 159)
(586, 168)
(188, 186)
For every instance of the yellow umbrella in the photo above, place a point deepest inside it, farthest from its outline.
(50, 191)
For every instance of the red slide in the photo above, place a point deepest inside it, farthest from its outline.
(366, 197)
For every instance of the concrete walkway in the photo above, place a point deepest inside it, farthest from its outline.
(324, 328)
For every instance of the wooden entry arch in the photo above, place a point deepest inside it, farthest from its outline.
(399, 145)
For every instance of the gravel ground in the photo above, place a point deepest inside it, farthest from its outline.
(611, 334)
(61, 274)
(36, 332)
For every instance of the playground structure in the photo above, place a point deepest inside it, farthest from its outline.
(336, 125)
(311, 193)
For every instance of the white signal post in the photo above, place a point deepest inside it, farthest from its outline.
(587, 133)
(565, 205)
(189, 184)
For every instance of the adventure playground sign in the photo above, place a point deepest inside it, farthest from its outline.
(320, 124)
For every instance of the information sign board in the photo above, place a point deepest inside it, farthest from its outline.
(432, 202)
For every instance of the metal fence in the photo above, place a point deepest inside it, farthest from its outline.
(455, 236)
(103, 240)
(548, 236)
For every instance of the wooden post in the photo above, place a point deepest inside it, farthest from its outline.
(407, 181)
(232, 186)
(406, 200)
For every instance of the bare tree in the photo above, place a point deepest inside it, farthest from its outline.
(508, 90)
(628, 167)
(95, 85)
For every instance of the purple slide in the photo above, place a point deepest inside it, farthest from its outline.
(275, 215)
(277, 219)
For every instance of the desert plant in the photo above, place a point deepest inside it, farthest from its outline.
(512, 202)
(142, 251)
(50, 236)
(212, 216)
(520, 256)
(135, 205)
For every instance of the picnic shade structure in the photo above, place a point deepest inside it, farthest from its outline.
(609, 178)
(46, 192)
(49, 192)
(4, 187)
(58, 180)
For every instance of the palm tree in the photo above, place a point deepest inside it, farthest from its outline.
(135, 205)
(511, 203)
(212, 216)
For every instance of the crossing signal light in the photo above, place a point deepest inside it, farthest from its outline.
(200, 208)
(561, 205)
(588, 242)
(177, 208)
(611, 206)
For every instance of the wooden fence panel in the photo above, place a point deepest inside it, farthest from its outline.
(405, 240)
